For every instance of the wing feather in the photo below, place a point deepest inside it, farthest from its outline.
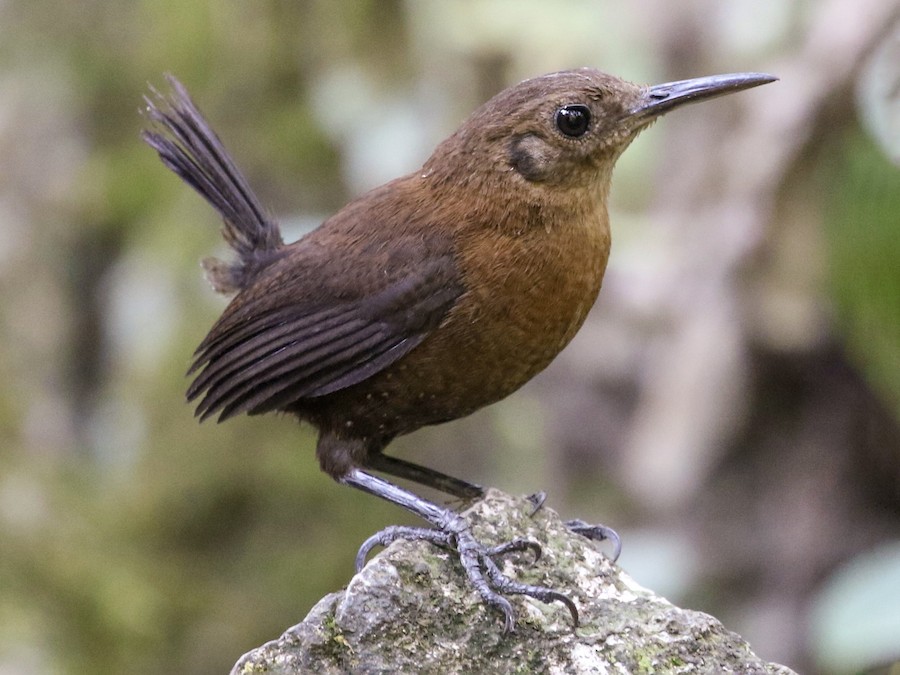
(286, 342)
(271, 346)
(290, 364)
(279, 390)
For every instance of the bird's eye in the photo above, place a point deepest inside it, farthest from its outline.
(573, 120)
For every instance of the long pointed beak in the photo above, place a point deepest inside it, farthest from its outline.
(662, 98)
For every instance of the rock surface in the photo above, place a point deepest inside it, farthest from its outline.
(410, 611)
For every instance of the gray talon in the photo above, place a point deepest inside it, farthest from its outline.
(476, 559)
(597, 533)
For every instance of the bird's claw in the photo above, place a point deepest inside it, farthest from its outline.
(597, 533)
(592, 532)
(478, 562)
(537, 500)
(516, 546)
(392, 533)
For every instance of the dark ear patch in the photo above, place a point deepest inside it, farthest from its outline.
(531, 156)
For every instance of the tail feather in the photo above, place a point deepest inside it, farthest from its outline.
(190, 148)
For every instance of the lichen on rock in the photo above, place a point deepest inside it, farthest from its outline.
(410, 610)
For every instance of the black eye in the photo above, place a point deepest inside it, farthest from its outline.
(573, 120)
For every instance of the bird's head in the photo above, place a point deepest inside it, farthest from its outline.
(567, 129)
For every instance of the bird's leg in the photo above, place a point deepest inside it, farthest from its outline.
(592, 532)
(422, 475)
(452, 532)
(465, 490)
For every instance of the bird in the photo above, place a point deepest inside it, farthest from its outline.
(424, 299)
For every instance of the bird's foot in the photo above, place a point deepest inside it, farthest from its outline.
(592, 532)
(478, 562)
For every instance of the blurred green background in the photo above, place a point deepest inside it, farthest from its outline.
(731, 406)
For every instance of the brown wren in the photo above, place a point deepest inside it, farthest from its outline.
(427, 298)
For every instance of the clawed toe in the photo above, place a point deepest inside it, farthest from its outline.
(517, 546)
(391, 534)
(477, 561)
(492, 584)
(593, 532)
(537, 500)
(504, 584)
(597, 533)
